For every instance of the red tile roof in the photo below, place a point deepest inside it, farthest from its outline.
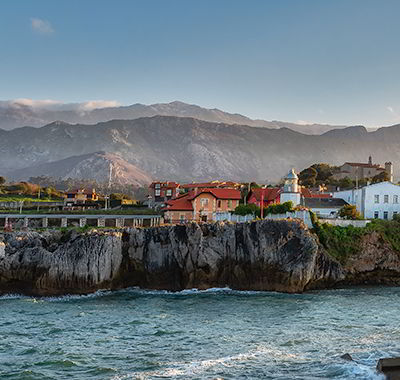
(363, 165)
(182, 203)
(270, 193)
(307, 193)
(218, 193)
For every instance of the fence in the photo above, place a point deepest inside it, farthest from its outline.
(304, 215)
(228, 217)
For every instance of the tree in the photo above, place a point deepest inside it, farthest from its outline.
(2, 180)
(346, 183)
(119, 196)
(349, 212)
(308, 177)
(381, 177)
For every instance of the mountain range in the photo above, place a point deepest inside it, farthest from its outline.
(21, 113)
(185, 149)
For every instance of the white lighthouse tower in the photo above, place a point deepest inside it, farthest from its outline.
(291, 191)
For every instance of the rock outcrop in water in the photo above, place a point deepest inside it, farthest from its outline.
(280, 255)
(265, 255)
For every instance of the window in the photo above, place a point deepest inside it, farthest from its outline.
(385, 215)
(376, 197)
(157, 185)
(230, 203)
(182, 218)
(169, 192)
(204, 202)
(386, 199)
(394, 214)
(395, 199)
(157, 193)
(376, 214)
(219, 203)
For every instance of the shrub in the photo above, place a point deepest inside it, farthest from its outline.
(279, 208)
(349, 212)
(247, 209)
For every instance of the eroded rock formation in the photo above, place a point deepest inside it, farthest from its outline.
(265, 255)
(281, 255)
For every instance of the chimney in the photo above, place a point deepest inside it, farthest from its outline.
(370, 160)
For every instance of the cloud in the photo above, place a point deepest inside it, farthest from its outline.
(303, 122)
(35, 103)
(93, 104)
(41, 26)
(56, 105)
(390, 109)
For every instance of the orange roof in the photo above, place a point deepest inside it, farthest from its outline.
(307, 193)
(218, 193)
(182, 203)
(269, 193)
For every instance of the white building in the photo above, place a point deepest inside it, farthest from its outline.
(325, 207)
(291, 190)
(378, 201)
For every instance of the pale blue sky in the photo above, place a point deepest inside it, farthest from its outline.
(334, 62)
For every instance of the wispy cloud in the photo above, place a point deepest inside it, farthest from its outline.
(57, 105)
(41, 26)
(92, 104)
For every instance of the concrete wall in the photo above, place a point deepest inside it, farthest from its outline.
(345, 223)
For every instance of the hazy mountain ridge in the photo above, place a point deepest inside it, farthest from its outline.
(89, 166)
(14, 114)
(186, 149)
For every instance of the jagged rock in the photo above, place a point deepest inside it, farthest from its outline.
(347, 357)
(264, 255)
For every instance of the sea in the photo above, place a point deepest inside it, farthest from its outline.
(213, 334)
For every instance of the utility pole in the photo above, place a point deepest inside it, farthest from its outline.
(106, 197)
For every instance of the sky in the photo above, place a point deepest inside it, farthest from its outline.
(304, 61)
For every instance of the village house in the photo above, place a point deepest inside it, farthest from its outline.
(266, 196)
(377, 201)
(324, 207)
(322, 204)
(161, 192)
(81, 198)
(202, 205)
(291, 191)
(361, 171)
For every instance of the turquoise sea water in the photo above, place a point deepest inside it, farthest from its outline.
(216, 334)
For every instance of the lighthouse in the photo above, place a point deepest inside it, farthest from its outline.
(291, 191)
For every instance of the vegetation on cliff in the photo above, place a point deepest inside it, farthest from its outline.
(251, 209)
(343, 242)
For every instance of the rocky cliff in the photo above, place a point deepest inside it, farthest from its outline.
(265, 255)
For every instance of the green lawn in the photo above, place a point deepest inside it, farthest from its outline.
(24, 198)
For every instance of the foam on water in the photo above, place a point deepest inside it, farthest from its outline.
(215, 333)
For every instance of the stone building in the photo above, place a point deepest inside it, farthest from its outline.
(361, 171)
